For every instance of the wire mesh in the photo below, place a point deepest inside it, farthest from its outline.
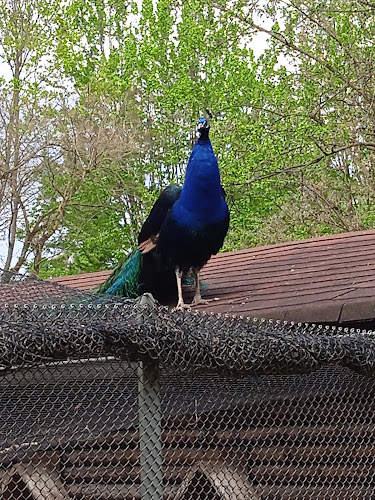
(71, 430)
(109, 399)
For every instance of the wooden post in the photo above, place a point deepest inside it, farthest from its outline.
(150, 433)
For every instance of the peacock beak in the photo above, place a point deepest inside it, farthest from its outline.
(202, 124)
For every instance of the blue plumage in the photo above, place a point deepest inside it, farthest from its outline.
(201, 201)
(185, 227)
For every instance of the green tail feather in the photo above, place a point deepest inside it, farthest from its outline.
(124, 281)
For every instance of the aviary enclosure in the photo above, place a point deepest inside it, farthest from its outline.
(108, 398)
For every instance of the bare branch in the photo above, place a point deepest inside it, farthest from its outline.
(334, 152)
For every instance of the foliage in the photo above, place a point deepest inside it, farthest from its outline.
(293, 129)
(326, 116)
(26, 97)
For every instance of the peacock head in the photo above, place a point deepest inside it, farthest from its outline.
(202, 128)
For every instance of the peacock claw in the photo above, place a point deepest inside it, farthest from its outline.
(198, 300)
(181, 306)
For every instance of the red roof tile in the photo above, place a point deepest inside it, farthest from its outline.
(328, 279)
(86, 281)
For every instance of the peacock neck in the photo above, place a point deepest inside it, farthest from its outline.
(203, 134)
(202, 185)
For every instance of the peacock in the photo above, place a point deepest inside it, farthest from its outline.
(185, 227)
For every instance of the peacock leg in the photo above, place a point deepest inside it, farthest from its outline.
(197, 299)
(180, 304)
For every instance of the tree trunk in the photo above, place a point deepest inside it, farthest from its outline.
(12, 159)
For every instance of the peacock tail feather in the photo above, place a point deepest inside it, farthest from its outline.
(124, 281)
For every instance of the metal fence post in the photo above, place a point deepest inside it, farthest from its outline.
(150, 437)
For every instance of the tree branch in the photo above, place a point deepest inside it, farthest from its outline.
(305, 164)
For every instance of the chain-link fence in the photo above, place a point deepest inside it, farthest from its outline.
(104, 398)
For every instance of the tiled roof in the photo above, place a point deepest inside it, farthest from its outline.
(328, 279)
(85, 282)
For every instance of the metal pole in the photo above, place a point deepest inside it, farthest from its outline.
(150, 437)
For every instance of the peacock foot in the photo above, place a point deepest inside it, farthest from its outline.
(197, 300)
(181, 306)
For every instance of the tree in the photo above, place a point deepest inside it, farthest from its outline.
(102, 216)
(328, 116)
(176, 63)
(24, 43)
(93, 144)
(53, 138)
(293, 129)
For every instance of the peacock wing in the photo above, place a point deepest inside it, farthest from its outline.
(148, 236)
